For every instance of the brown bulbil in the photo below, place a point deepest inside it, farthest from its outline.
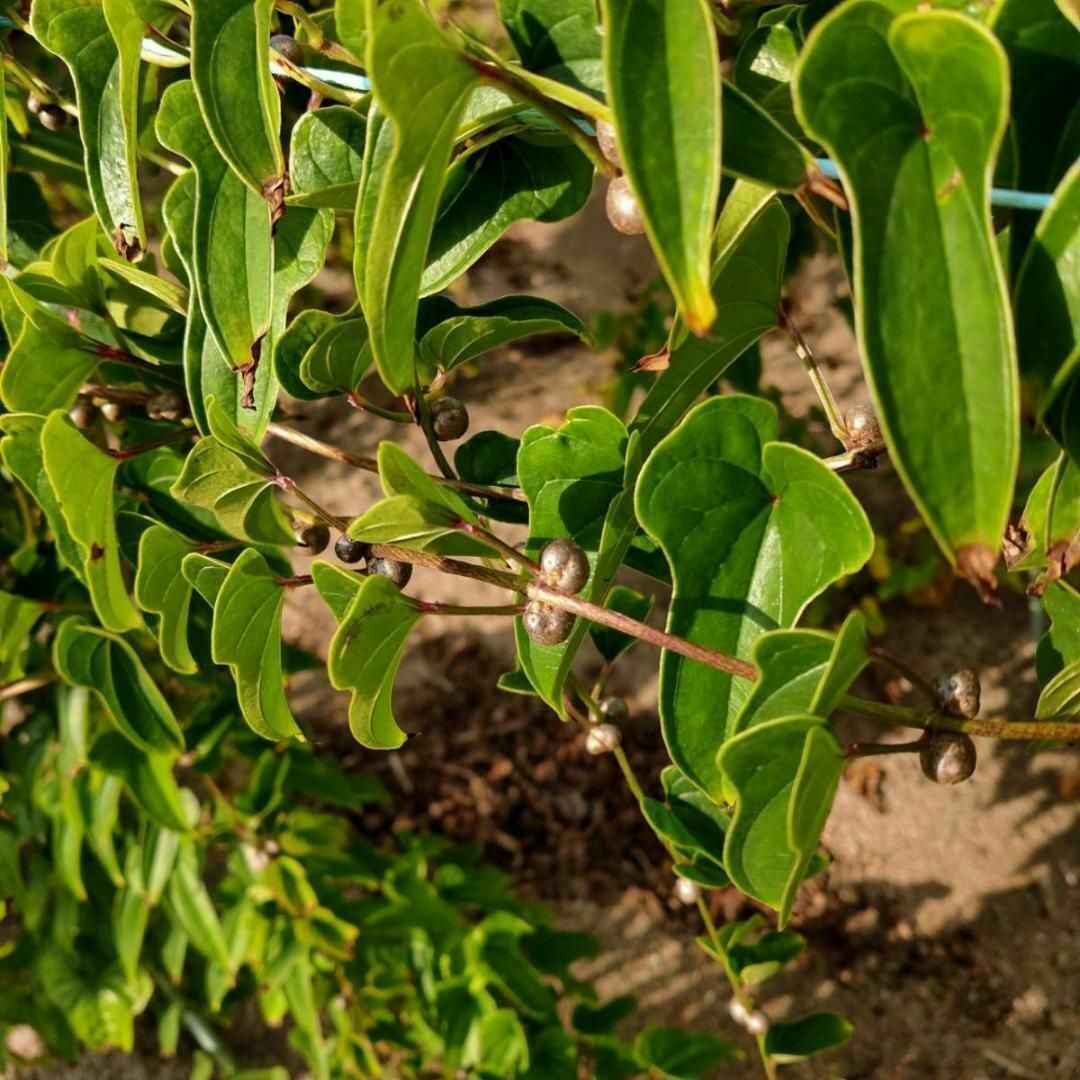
(623, 209)
(315, 538)
(52, 117)
(288, 48)
(958, 693)
(397, 572)
(449, 419)
(168, 405)
(864, 432)
(948, 757)
(546, 624)
(564, 566)
(349, 550)
(83, 414)
(112, 411)
(605, 137)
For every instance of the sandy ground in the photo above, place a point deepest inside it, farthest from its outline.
(948, 925)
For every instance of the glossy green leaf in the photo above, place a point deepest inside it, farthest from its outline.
(462, 334)
(913, 117)
(521, 177)
(206, 575)
(350, 17)
(421, 82)
(570, 475)
(756, 961)
(753, 530)
(82, 479)
(194, 910)
(105, 663)
(17, 619)
(230, 69)
(1047, 299)
(1047, 536)
(77, 31)
(292, 347)
(765, 68)
(677, 1054)
(246, 635)
(784, 773)
(147, 775)
(339, 357)
(404, 520)
(757, 148)
(364, 656)
(558, 39)
(47, 361)
(232, 253)
(663, 81)
(795, 1040)
(161, 588)
(325, 158)
(751, 241)
(20, 449)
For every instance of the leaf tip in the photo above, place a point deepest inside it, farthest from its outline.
(975, 563)
(700, 314)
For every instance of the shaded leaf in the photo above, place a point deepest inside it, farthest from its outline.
(147, 775)
(558, 39)
(799, 1039)
(194, 910)
(611, 644)
(679, 1054)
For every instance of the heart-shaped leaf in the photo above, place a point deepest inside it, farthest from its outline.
(922, 101)
(765, 67)
(246, 635)
(663, 82)
(677, 1054)
(364, 656)
(147, 775)
(753, 530)
(338, 358)
(205, 575)
(161, 588)
(326, 156)
(237, 95)
(105, 663)
(82, 479)
(796, 1040)
(421, 83)
(558, 39)
(784, 774)
(78, 33)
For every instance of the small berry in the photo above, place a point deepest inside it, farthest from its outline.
(623, 209)
(52, 118)
(602, 739)
(397, 572)
(288, 47)
(349, 550)
(615, 709)
(563, 566)
(605, 136)
(948, 757)
(546, 624)
(33, 104)
(168, 405)
(449, 419)
(112, 411)
(757, 1023)
(314, 537)
(687, 891)
(737, 1011)
(863, 430)
(83, 414)
(959, 693)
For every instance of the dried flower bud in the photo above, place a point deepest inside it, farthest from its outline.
(615, 709)
(864, 432)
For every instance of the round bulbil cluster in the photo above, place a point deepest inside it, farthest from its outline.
(563, 566)
(397, 572)
(449, 419)
(615, 709)
(864, 432)
(686, 891)
(605, 138)
(948, 757)
(314, 537)
(168, 405)
(602, 739)
(753, 1021)
(83, 414)
(288, 48)
(112, 411)
(546, 624)
(52, 117)
(349, 550)
(623, 209)
(958, 693)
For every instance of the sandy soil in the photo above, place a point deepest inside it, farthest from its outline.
(948, 925)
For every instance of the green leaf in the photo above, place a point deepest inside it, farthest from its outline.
(404, 520)
(77, 31)
(131, 914)
(558, 39)
(803, 671)
(47, 361)
(232, 254)
(679, 1054)
(161, 588)
(784, 773)
(753, 531)
(105, 663)
(663, 81)
(751, 243)
(350, 18)
(757, 148)
(296, 340)
(326, 157)
(20, 449)
(765, 67)
(149, 778)
(1048, 535)
(82, 479)
(246, 635)
(462, 334)
(611, 644)
(100, 797)
(230, 69)
(205, 575)
(364, 656)
(1060, 645)
(1047, 298)
(421, 83)
(194, 910)
(338, 358)
(913, 116)
(571, 476)
(520, 177)
(799, 1039)
(759, 960)
(5, 157)
(17, 618)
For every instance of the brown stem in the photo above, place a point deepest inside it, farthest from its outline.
(153, 444)
(286, 483)
(444, 565)
(25, 686)
(115, 393)
(434, 607)
(606, 617)
(511, 554)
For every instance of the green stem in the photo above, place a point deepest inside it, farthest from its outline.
(359, 402)
(821, 387)
(423, 418)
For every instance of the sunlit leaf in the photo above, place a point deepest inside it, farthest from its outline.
(161, 588)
